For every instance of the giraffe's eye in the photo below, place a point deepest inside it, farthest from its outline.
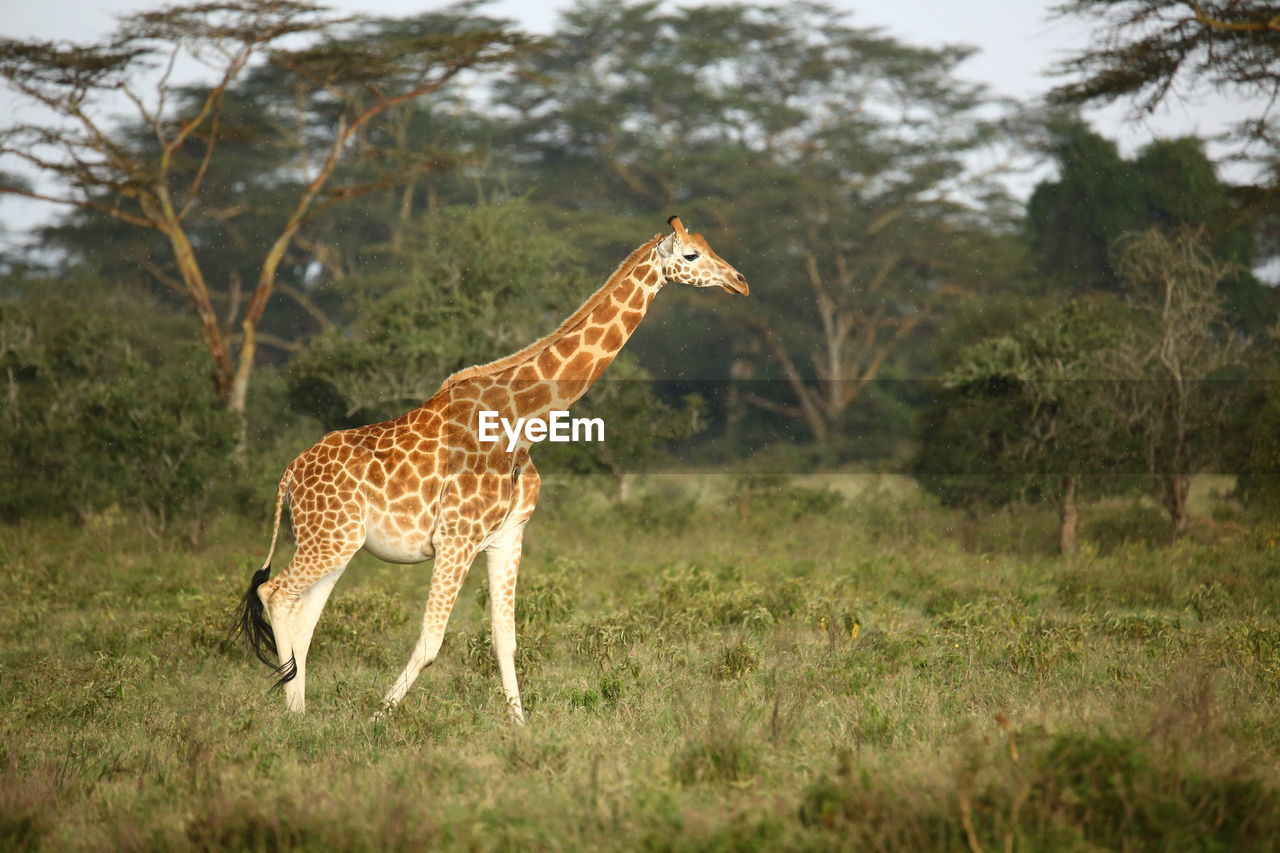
(691, 256)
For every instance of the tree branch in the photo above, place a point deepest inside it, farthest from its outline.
(771, 405)
(306, 304)
(809, 409)
(194, 187)
(1201, 17)
(81, 203)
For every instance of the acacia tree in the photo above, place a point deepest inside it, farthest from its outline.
(1098, 196)
(1167, 366)
(1095, 389)
(828, 159)
(337, 71)
(1147, 48)
(1145, 51)
(1023, 416)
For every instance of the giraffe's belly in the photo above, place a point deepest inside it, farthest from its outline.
(397, 546)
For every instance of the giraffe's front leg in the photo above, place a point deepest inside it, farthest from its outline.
(454, 555)
(504, 564)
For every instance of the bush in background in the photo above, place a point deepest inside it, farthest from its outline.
(104, 409)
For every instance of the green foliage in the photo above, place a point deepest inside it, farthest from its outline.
(778, 499)
(735, 661)
(1073, 220)
(1056, 791)
(827, 159)
(1020, 411)
(1098, 197)
(1257, 446)
(545, 599)
(687, 600)
(105, 408)
(657, 510)
(471, 284)
(1096, 389)
(721, 754)
(359, 622)
(670, 707)
(606, 643)
(605, 694)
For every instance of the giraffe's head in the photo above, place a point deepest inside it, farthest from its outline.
(687, 259)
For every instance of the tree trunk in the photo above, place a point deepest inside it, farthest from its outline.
(1177, 489)
(193, 277)
(1069, 517)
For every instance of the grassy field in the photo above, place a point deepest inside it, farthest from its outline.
(781, 667)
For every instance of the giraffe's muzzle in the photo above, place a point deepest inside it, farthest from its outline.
(737, 285)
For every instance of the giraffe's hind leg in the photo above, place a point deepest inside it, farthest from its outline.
(454, 555)
(310, 605)
(294, 601)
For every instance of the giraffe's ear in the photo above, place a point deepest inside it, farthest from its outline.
(667, 246)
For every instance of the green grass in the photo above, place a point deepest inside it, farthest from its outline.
(705, 668)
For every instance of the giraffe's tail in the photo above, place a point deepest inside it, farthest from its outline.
(250, 619)
(252, 623)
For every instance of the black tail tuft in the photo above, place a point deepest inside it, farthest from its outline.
(251, 622)
(288, 673)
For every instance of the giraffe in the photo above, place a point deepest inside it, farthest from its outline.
(423, 487)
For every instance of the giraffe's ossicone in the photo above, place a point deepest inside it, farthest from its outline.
(422, 486)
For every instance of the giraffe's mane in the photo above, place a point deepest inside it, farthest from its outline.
(574, 320)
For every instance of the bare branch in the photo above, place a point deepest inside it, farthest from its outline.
(86, 204)
(160, 275)
(771, 405)
(306, 304)
(193, 189)
(1272, 23)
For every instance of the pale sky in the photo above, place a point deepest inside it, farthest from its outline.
(1016, 44)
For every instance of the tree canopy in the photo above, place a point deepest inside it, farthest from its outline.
(342, 77)
(1149, 52)
(355, 208)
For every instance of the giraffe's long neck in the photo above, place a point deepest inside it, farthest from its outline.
(577, 353)
(552, 373)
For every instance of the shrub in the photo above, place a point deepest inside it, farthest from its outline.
(721, 754)
(777, 498)
(360, 621)
(543, 598)
(658, 512)
(606, 643)
(1033, 790)
(735, 661)
(107, 412)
